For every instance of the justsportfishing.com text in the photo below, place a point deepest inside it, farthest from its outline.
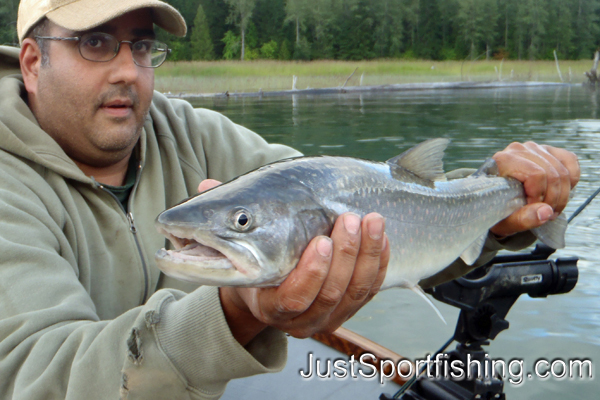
(440, 367)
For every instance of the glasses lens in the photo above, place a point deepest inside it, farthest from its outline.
(98, 46)
(149, 53)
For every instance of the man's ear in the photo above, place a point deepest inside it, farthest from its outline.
(31, 61)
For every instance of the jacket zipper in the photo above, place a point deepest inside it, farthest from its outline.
(132, 228)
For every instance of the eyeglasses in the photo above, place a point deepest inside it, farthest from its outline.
(102, 47)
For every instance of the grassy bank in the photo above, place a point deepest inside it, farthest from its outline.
(252, 76)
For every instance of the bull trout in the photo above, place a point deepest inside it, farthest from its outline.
(252, 230)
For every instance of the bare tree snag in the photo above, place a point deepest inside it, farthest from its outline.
(592, 74)
(557, 67)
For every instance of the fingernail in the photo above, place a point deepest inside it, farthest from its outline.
(545, 213)
(352, 223)
(375, 228)
(324, 246)
(555, 215)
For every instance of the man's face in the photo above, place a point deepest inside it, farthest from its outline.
(95, 110)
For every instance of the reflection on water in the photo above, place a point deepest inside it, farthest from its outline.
(479, 122)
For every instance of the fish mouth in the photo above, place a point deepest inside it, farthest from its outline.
(207, 260)
(189, 250)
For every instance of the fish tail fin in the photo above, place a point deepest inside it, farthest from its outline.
(417, 289)
(552, 233)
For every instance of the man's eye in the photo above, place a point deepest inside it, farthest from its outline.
(143, 46)
(94, 42)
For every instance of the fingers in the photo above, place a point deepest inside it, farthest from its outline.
(333, 279)
(281, 305)
(369, 272)
(207, 184)
(346, 235)
(528, 217)
(355, 267)
(547, 173)
(569, 160)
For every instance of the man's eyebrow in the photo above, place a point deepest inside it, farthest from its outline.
(103, 28)
(137, 32)
(146, 33)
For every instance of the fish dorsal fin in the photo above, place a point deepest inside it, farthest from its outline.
(417, 289)
(471, 254)
(488, 168)
(424, 160)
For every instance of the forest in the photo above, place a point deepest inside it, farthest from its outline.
(375, 29)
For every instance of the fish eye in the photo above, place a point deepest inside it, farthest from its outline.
(242, 220)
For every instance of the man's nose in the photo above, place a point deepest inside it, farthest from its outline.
(125, 68)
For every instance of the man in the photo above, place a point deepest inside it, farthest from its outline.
(90, 155)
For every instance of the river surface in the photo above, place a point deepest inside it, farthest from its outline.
(479, 122)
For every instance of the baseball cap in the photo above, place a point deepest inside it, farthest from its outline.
(82, 15)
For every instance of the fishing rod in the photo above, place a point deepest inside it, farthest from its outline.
(485, 296)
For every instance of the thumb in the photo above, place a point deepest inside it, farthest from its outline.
(527, 217)
(207, 184)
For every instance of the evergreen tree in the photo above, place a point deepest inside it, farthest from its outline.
(560, 31)
(532, 17)
(8, 22)
(411, 21)
(284, 51)
(269, 17)
(216, 15)
(323, 20)
(448, 13)
(470, 23)
(240, 13)
(354, 40)
(586, 27)
(232, 48)
(490, 19)
(429, 31)
(202, 47)
(507, 11)
(297, 11)
(362, 29)
(388, 32)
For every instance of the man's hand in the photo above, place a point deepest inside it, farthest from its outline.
(548, 175)
(334, 278)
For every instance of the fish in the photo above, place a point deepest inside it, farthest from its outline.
(252, 230)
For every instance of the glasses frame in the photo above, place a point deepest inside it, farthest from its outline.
(116, 52)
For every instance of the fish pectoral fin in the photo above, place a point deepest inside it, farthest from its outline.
(552, 233)
(472, 253)
(417, 289)
(424, 160)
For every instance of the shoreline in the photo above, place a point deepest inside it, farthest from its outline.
(373, 88)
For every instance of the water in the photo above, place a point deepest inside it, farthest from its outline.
(479, 123)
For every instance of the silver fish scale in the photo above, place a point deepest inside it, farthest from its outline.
(287, 203)
(428, 226)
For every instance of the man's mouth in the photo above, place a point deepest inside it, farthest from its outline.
(118, 108)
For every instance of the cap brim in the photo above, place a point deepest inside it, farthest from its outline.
(85, 14)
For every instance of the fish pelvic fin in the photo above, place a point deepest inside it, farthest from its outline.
(417, 289)
(424, 160)
(471, 254)
(552, 233)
